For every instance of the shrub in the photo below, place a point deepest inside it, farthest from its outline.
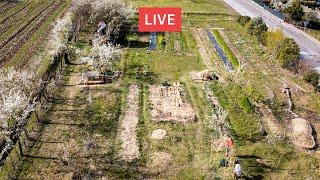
(295, 11)
(243, 20)
(258, 28)
(313, 78)
(288, 53)
(273, 38)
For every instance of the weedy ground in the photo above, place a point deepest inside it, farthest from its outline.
(188, 151)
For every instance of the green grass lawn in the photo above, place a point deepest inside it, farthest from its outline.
(202, 6)
(164, 64)
(191, 144)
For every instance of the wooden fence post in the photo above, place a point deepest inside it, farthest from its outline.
(20, 148)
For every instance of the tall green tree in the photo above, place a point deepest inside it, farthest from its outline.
(295, 11)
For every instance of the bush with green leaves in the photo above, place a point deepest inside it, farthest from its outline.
(243, 20)
(295, 11)
(288, 54)
(273, 39)
(258, 28)
(313, 78)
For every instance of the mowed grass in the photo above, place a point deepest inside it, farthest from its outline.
(166, 67)
(199, 6)
(231, 57)
(163, 65)
(78, 128)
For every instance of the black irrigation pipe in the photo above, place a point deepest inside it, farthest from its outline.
(219, 50)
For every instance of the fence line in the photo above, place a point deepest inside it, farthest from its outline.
(28, 122)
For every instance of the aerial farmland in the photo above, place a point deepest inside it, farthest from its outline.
(230, 90)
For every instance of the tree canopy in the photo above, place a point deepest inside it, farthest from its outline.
(295, 11)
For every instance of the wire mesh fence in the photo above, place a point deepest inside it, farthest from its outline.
(22, 140)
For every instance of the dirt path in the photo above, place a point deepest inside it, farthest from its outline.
(273, 126)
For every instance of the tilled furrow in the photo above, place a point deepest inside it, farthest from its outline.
(17, 42)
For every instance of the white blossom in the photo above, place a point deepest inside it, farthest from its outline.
(126, 11)
(105, 55)
(59, 34)
(15, 91)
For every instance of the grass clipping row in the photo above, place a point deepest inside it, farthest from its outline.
(129, 147)
(168, 103)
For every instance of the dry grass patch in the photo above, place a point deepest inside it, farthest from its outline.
(159, 134)
(160, 160)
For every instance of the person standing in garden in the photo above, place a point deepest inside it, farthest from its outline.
(102, 28)
(237, 170)
(229, 146)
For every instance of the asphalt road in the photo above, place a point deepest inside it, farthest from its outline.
(310, 47)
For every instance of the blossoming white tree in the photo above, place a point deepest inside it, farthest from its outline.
(15, 92)
(115, 13)
(59, 34)
(105, 55)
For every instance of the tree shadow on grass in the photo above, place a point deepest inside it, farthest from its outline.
(254, 169)
(41, 157)
(138, 44)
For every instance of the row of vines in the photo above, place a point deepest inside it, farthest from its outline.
(21, 22)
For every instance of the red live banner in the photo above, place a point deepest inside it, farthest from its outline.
(159, 19)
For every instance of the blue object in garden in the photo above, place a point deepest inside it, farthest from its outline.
(153, 41)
